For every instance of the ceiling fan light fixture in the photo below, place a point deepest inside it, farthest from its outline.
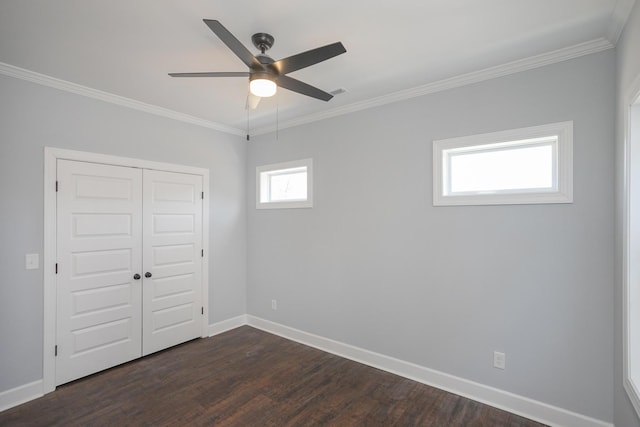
(265, 74)
(262, 85)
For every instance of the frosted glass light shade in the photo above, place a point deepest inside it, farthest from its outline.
(263, 87)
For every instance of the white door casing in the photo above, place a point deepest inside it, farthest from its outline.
(172, 297)
(50, 256)
(631, 246)
(99, 250)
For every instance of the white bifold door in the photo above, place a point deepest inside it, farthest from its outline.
(129, 260)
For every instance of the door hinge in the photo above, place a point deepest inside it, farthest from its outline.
(202, 310)
(56, 186)
(56, 268)
(203, 195)
(202, 253)
(55, 351)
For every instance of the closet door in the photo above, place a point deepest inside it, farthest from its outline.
(172, 259)
(99, 229)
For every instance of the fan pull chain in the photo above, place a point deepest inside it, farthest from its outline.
(248, 137)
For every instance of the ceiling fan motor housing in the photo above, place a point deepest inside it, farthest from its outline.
(264, 59)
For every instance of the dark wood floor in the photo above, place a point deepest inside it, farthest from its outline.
(246, 377)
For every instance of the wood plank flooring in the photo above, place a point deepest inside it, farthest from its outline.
(246, 377)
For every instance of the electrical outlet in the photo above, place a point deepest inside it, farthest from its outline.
(499, 360)
(274, 304)
(31, 261)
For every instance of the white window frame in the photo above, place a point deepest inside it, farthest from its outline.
(262, 182)
(560, 135)
(629, 311)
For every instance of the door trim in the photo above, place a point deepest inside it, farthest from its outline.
(51, 156)
(631, 99)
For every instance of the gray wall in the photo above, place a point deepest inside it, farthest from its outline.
(628, 69)
(33, 116)
(375, 265)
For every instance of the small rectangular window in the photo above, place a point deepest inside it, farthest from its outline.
(530, 165)
(284, 185)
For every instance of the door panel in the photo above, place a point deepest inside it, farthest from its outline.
(93, 225)
(106, 297)
(172, 297)
(168, 224)
(101, 262)
(99, 249)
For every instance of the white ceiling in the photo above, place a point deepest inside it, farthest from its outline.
(126, 47)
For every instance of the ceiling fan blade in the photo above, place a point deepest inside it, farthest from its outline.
(310, 57)
(232, 43)
(303, 88)
(252, 101)
(212, 74)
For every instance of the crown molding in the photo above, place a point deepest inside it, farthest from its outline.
(619, 19)
(513, 67)
(623, 9)
(45, 80)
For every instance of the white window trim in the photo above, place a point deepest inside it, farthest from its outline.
(631, 387)
(289, 204)
(563, 157)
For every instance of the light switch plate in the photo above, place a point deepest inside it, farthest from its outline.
(32, 261)
(499, 359)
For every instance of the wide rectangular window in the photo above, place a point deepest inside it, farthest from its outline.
(530, 165)
(284, 185)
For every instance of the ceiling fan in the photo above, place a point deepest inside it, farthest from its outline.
(265, 74)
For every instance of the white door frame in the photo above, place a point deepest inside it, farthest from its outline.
(51, 156)
(632, 98)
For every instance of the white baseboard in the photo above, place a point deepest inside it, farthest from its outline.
(27, 392)
(227, 325)
(19, 395)
(519, 405)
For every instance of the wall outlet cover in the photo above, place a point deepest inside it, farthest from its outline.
(32, 261)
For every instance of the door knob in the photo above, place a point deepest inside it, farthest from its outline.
(147, 274)
(136, 276)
